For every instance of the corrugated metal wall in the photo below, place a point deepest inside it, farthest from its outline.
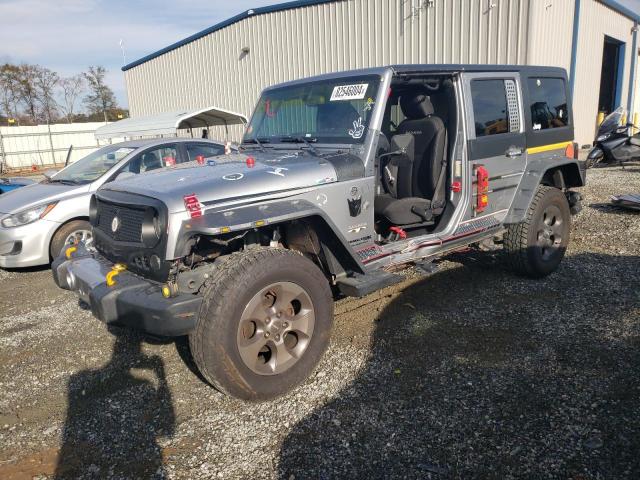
(318, 39)
(350, 34)
(550, 33)
(596, 21)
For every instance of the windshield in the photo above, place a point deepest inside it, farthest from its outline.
(93, 166)
(611, 121)
(337, 110)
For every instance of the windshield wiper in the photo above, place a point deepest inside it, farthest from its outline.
(257, 141)
(301, 139)
(64, 181)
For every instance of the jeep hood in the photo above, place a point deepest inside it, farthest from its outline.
(230, 177)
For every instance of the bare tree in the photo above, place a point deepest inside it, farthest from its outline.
(72, 88)
(28, 92)
(100, 98)
(45, 82)
(9, 90)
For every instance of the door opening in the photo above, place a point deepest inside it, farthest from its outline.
(611, 75)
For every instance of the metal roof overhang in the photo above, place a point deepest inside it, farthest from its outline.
(169, 123)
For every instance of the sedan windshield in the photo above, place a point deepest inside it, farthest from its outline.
(326, 111)
(93, 166)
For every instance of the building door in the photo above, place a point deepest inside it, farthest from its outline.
(611, 75)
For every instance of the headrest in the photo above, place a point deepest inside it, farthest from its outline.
(150, 159)
(416, 105)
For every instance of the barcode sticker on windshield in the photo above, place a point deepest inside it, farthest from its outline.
(349, 92)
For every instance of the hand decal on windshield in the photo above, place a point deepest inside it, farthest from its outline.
(358, 129)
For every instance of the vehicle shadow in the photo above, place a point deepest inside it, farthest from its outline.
(37, 268)
(102, 438)
(476, 373)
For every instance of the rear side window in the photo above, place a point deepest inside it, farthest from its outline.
(548, 103)
(494, 111)
(204, 150)
(159, 157)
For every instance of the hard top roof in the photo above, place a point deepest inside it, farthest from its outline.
(474, 67)
(432, 68)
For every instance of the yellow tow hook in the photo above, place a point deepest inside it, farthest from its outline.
(117, 268)
(69, 252)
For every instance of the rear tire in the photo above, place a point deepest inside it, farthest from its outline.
(264, 323)
(535, 247)
(67, 234)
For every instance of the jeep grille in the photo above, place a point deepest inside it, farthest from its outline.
(129, 224)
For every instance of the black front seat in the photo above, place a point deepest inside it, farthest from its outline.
(409, 196)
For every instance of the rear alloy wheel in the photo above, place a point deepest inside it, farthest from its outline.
(536, 246)
(264, 323)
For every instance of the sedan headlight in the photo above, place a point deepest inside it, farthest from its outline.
(27, 216)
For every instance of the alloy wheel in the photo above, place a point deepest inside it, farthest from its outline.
(275, 328)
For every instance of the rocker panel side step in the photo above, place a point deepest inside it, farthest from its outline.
(360, 285)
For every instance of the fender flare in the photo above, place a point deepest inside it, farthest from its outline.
(277, 213)
(562, 174)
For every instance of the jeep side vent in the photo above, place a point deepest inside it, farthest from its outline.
(512, 105)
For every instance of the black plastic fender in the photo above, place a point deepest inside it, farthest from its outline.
(279, 212)
(543, 170)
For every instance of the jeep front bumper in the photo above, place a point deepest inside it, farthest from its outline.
(131, 301)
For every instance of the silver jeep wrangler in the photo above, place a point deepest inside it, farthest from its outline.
(340, 181)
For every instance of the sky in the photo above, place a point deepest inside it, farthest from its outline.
(69, 35)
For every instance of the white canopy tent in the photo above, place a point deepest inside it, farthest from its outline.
(169, 123)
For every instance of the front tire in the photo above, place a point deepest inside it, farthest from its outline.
(68, 234)
(264, 323)
(535, 247)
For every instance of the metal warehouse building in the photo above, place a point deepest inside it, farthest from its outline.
(228, 64)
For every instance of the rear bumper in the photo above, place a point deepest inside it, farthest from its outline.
(132, 301)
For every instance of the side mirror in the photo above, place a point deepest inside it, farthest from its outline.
(401, 145)
(383, 142)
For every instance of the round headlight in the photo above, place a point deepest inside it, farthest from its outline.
(151, 228)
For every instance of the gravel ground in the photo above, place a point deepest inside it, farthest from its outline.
(470, 373)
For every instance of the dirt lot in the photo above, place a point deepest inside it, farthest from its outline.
(470, 373)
